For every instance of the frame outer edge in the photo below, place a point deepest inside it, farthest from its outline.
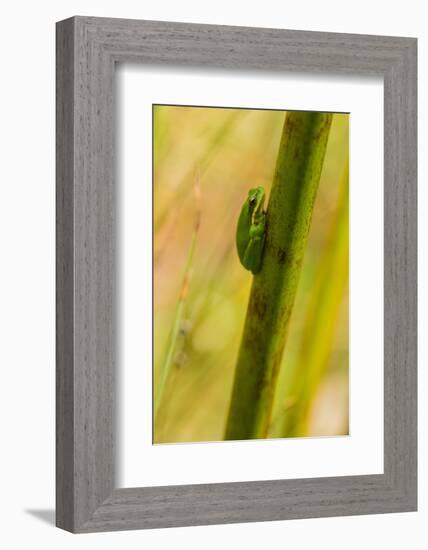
(400, 314)
(65, 274)
(94, 273)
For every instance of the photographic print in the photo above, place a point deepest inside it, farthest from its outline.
(250, 273)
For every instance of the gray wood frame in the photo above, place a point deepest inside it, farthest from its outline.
(87, 50)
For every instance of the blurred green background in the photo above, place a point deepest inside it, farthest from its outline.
(225, 152)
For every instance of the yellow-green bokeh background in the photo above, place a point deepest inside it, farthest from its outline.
(229, 151)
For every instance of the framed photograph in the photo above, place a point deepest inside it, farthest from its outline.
(236, 274)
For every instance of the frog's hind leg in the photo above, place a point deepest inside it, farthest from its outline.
(252, 256)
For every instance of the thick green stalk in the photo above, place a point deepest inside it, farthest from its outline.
(298, 170)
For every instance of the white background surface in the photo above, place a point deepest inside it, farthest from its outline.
(362, 451)
(27, 275)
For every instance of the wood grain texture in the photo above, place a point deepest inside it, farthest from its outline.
(87, 50)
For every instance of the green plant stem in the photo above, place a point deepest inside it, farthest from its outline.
(179, 310)
(172, 340)
(298, 170)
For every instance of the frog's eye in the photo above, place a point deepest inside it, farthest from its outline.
(253, 200)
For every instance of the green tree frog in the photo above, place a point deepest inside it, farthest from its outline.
(251, 230)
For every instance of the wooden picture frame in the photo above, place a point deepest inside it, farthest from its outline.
(87, 51)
